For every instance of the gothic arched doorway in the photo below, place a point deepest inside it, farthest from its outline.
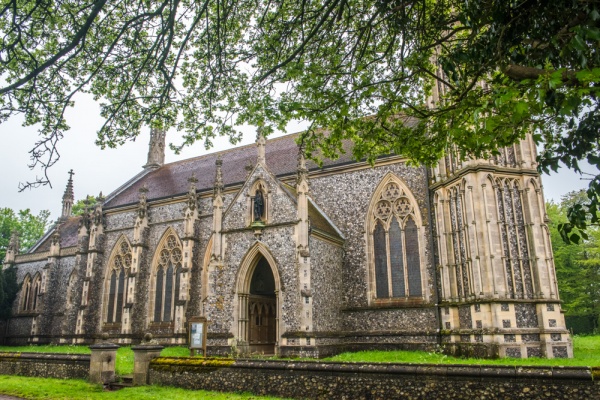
(262, 310)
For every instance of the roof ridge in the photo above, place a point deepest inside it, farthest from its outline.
(223, 152)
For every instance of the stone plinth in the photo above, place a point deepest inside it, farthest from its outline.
(102, 362)
(142, 355)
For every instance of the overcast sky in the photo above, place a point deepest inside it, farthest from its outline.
(105, 170)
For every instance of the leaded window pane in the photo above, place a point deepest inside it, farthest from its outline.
(36, 290)
(413, 259)
(158, 297)
(111, 297)
(120, 291)
(380, 252)
(177, 282)
(168, 294)
(396, 260)
(27, 293)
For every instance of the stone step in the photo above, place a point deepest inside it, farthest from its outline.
(122, 381)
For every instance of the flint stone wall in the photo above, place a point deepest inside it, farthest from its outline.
(220, 311)
(62, 366)
(51, 305)
(318, 380)
(345, 198)
(326, 284)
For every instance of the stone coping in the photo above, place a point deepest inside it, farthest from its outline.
(147, 347)
(45, 356)
(46, 365)
(104, 346)
(449, 370)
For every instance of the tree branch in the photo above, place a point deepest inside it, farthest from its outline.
(79, 36)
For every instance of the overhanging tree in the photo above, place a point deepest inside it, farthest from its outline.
(359, 70)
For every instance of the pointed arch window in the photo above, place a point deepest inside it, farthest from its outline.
(116, 281)
(36, 288)
(395, 238)
(167, 279)
(26, 294)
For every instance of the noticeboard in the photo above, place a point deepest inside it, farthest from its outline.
(197, 335)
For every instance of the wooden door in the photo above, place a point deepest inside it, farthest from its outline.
(262, 315)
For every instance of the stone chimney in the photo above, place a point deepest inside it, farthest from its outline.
(68, 199)
(260, 145)
(156, 152)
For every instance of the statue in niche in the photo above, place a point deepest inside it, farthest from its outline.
(259, 205)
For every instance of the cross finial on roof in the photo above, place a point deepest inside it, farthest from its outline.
(68, 198)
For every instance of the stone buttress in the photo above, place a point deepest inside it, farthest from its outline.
(497, 284)
(89, 313)
(303, 251)
(190, 253)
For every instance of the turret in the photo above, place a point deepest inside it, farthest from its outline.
(13, 248)
(68, 198)
(156, 152)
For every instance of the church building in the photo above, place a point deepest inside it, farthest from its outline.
(284, 257)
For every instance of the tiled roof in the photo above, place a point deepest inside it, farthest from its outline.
(68, 235)
(172, 179)
(320, 222)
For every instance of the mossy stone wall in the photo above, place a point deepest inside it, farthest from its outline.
(62, 366)
(328, 380)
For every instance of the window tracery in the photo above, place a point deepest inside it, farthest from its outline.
(36, 288)
(117, 282)
(395, 239)
(167, 279)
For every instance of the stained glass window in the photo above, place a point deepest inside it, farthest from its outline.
(120, 263)
(395, 239)
(168, 278)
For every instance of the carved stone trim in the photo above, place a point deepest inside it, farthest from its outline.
(22, 258)
(68, 251)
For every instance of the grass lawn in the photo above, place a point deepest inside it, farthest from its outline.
(47, 388)
(586, 354)
(124, 364)
(586, 349)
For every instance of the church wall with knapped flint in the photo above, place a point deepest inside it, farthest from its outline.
(327, 286)
(237, 244)
(345, 199)
(55, 297)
